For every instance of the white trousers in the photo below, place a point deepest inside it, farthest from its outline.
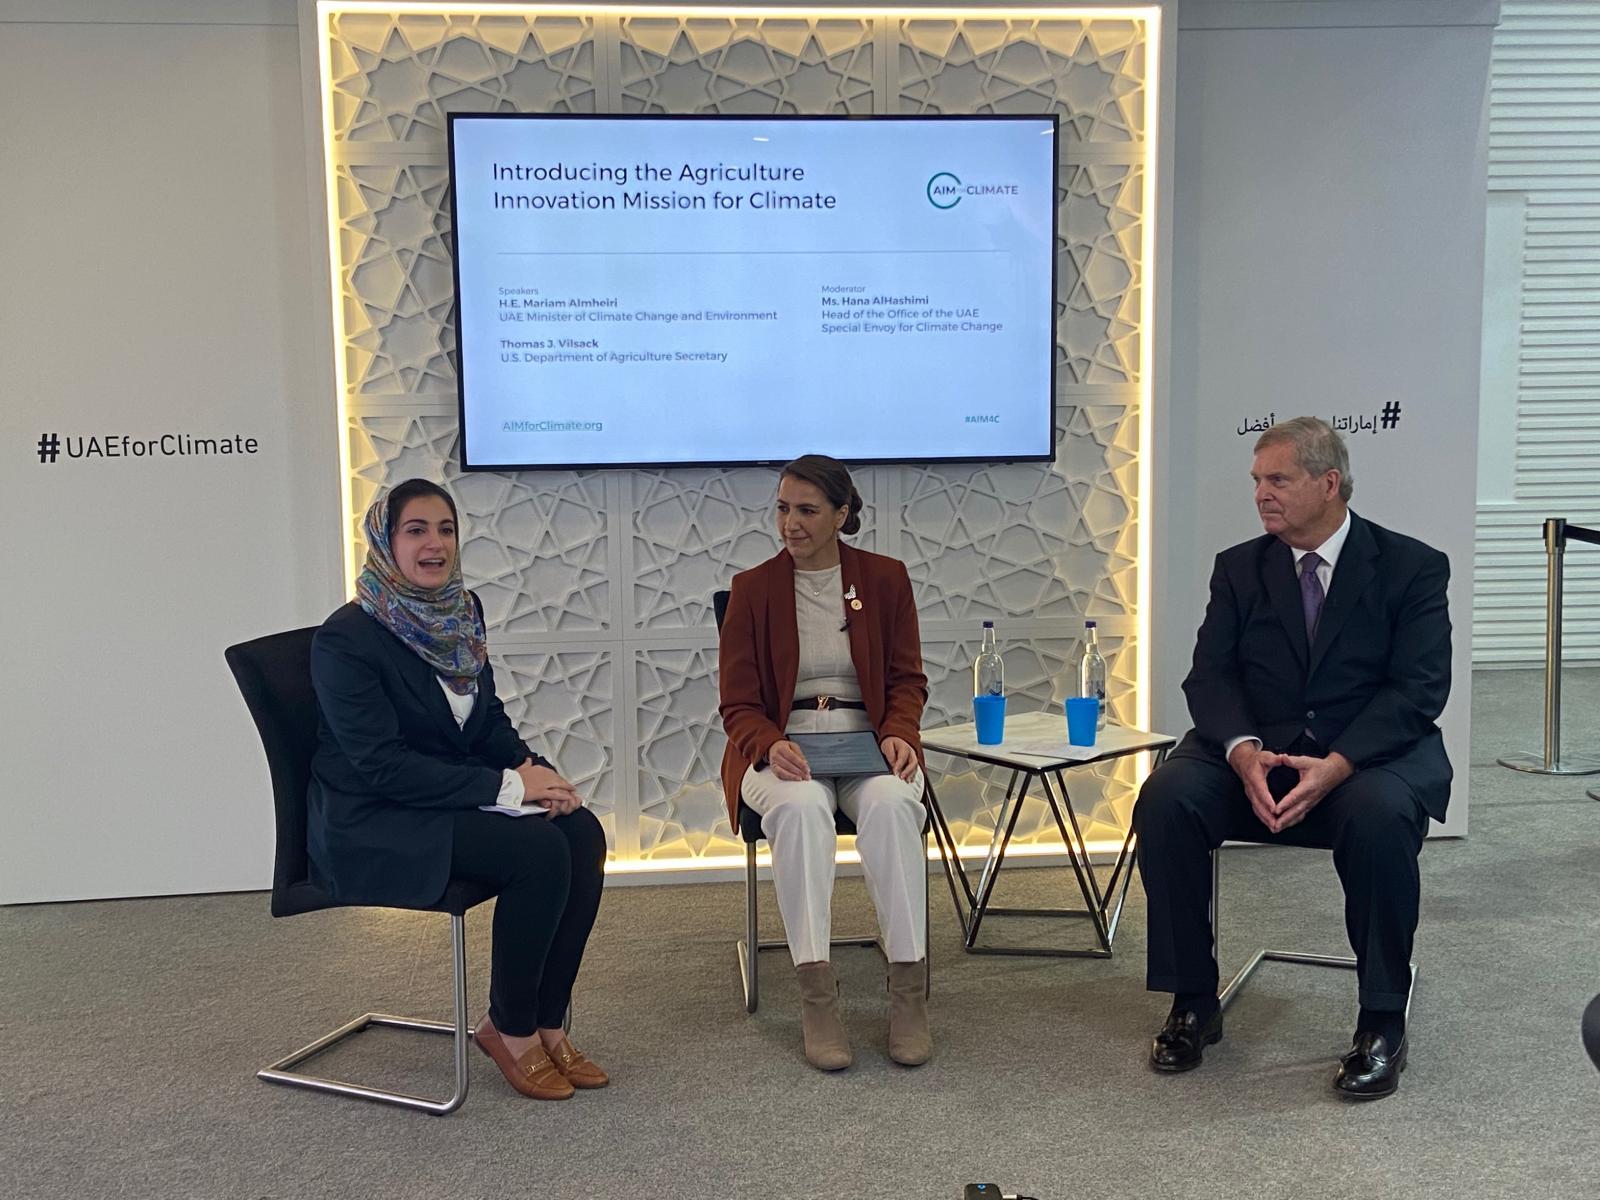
(797, 818)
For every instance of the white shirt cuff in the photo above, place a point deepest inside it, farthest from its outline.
(1228, 746)
(512, 793)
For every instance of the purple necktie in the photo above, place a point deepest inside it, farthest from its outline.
(1311, 593)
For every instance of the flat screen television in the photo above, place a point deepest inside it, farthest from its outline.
(649, 291)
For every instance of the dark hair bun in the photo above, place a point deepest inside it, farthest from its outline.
(852, 523)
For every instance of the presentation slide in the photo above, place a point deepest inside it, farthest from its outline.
(671, 291)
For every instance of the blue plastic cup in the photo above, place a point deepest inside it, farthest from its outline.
(1083, 718)
(989, 714)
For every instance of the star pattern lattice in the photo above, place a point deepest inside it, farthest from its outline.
(693, 531)
(1098, 277)
(565, 704)
(746, 65)
(1041, 672)
(396, 75)
(681, 811)
(1089, 71)
(533, 546)
(1020, 542)
(399, 297)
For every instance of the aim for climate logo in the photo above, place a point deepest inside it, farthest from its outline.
(946, 190)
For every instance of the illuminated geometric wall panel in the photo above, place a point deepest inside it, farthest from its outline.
(1092, 72)
(679, 744)
(565, 703)
(534, 547)
(399, 296)
(1098, 275)
(1041, 672)
(692, 531)
(597, 585)
(395, 75)
(1028, 540)
(746, 65)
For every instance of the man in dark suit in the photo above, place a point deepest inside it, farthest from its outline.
(1319, 671)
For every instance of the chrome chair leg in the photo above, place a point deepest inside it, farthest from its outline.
(282, 1071)
(748, 945)
(927, 923)
(1229, 993)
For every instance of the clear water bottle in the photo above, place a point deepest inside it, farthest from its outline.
(988, 671)
(1092, 670)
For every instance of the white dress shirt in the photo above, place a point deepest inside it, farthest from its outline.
(512, 793)
(1329, 553)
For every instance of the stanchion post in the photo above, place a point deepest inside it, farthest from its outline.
(1550, 762)
(1555, 550)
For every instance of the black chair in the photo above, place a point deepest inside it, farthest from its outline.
(274, 674)
(1231, 991)
(750, 946)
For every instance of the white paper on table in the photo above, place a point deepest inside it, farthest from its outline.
(1058, 750)
(523, 810)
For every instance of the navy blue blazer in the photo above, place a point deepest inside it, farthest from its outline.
(1372, 684)
(391, 765)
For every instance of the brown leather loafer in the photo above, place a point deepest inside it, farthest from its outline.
(534, 1075)
(576, 1067)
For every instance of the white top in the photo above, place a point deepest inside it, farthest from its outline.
(512, 793)
(826, 668)
(1329, 552)
(1037, 741)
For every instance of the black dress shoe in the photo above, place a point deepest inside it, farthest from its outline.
(1369, 1071)
(1182, 1040)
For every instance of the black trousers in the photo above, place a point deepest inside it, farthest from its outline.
(547, 873)
(1373, 824)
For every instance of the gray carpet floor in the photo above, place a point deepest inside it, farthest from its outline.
(130, 1031)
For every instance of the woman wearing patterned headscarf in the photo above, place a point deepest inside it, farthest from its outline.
(412, 745)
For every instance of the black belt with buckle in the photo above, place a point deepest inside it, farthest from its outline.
(824, 703)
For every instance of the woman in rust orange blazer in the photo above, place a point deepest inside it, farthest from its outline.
(823, 638)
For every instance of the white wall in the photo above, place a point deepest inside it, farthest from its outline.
(1327, 258)
(158, 279)
(1542, 387)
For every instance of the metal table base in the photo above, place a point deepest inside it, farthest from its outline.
(1102, 905)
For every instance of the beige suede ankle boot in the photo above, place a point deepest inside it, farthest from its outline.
(910, 1040)
(827, 1047)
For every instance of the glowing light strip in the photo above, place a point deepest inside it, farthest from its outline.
(341, 355)
(723, 862)
(490, 8)
(1147, 254)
